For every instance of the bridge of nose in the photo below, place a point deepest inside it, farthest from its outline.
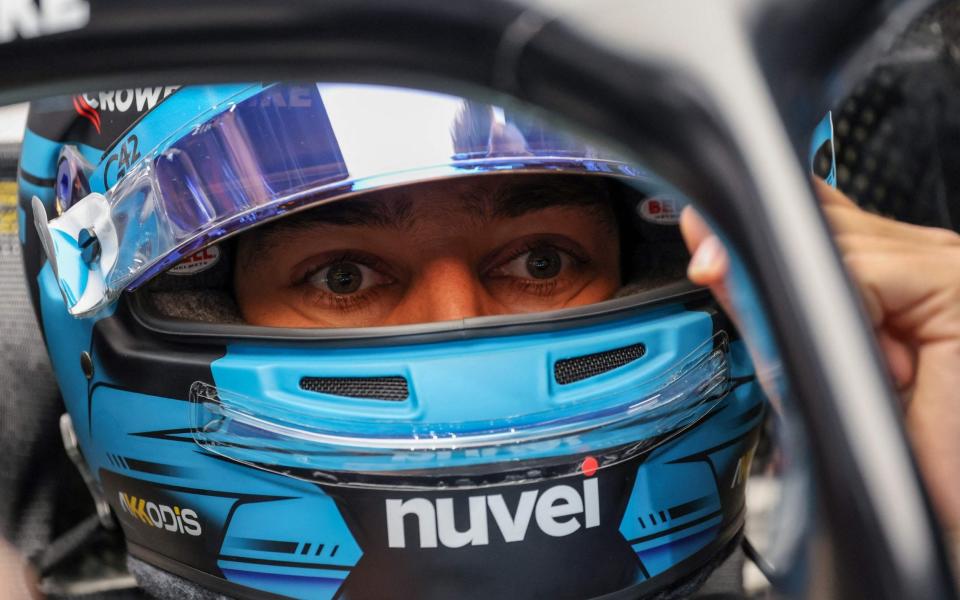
(445, 289)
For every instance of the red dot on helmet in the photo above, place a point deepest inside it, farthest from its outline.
(589, 466)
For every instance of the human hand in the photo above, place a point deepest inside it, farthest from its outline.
(16, 582)
(909, 279)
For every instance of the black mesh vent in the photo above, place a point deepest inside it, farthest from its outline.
(570, 370)
(376, 388)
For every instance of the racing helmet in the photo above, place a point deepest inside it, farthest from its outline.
(590, 451)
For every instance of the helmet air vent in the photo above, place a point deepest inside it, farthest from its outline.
(571, 370)
(393, 388)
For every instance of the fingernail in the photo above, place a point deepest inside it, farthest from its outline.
(706, 258)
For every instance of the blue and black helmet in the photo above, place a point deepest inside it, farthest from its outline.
(591, 451)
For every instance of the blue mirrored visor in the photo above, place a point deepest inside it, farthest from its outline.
(285, 148)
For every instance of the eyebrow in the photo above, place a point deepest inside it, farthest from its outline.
(373, 211)
(518, 199)
(485, 201)
(394, 208)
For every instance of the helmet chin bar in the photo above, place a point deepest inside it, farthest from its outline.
(306, 441)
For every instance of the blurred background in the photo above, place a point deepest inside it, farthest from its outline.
(12, 120)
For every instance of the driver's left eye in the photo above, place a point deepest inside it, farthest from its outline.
(345, 278)
(541, 262)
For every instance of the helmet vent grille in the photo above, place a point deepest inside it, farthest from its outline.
(570, 370)
(393, 388)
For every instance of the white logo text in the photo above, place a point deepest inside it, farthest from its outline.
(555, 512)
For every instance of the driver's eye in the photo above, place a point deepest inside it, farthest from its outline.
(543, 263)
(344, 278)
(540, 262)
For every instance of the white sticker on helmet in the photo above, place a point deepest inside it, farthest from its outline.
(200, 260)
(661, 210)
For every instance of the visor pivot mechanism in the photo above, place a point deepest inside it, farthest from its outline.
(82, 246)
(89, 246)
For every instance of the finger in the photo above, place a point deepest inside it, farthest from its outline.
(901, 359)
(845, 220)
(16, 581)
(933, 421)
(915, 294)
(846, 217)
(709, 263)
(693, 228)
(831, 196)
(869, 242)
(710, 266)
(708, 258)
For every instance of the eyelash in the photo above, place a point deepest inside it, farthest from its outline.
(536, 288)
